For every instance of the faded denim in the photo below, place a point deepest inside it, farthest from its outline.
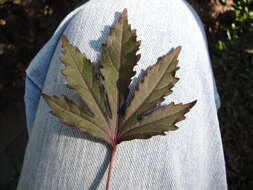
(191, 158)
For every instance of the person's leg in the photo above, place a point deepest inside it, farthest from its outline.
(37, 71)
(59, 157)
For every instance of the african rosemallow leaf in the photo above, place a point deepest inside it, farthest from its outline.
(104, 87)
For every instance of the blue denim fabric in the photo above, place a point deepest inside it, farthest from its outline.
(58, 157)
(37, 71)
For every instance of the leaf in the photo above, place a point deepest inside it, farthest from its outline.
(103, 89)
(157, 84)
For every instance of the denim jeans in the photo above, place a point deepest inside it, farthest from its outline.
(58, 157)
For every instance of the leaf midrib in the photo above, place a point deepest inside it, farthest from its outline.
(120, 65)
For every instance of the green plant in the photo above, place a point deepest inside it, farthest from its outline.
(232, 57)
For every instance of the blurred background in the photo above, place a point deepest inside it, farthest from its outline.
(25, 25)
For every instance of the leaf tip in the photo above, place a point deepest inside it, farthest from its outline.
(178, 49)
(193, 103)
(45, 96)
(64, 40)
(176, 53)
(125, 12)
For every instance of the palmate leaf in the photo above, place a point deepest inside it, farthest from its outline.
(103, 88)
